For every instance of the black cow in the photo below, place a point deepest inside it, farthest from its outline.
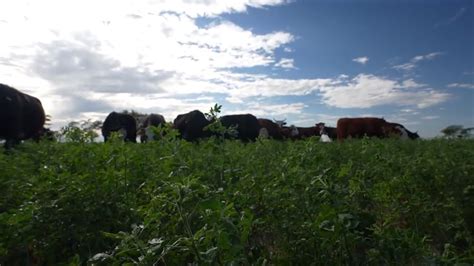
(145, 131)
(21, 116)
(117, 122)
(247, 125)
(191, 125)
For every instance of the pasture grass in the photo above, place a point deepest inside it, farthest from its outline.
(220, 202)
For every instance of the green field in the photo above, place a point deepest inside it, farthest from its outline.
(171, 202)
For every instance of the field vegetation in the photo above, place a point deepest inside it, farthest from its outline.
(172, 202)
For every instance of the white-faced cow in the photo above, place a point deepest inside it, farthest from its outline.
(122, 123)
(145, 130)
(294, 132)
(370, 127)
(21, 116)
(290, 132)
(327, 133)
(269, 129)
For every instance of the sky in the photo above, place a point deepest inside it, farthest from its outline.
(306, 61)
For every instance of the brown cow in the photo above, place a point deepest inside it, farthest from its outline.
(370, 127)
(306, 132)
(290, 132)
(269, 129)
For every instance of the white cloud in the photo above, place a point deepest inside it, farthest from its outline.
(365, 91)
(270, 87)
(266, 110)
(407, 66)
(329, 120)
(409, 111)
(430, 117)
(286, 63)
(452, 19)
(362, 91)
(361, 60)
(461, 85)
(426, 57)
(411, 84)
(70, 11)
(413, 63)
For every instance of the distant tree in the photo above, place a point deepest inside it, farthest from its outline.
(82, 131)
(466, 132)
(458, 131)
(91, 125)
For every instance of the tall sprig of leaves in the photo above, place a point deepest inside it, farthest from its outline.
(216, 127)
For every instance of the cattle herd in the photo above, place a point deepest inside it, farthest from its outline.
(22, 117)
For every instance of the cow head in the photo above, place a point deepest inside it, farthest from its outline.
(321, 127)
(412, 135)
(294, 131)
(280, 123)
(401, 131)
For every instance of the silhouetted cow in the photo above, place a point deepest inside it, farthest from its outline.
(246, 125)
(123, 123)
(191, 125)
(21, 116)
(145, 131)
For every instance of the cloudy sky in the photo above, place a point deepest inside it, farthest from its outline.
(308, 61)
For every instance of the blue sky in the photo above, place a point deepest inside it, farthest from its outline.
(410, 62)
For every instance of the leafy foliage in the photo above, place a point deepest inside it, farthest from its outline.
(457, 131)
(225, 202)
(83, 131)
(216, 127)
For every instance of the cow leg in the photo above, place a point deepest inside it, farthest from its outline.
(263, 133)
